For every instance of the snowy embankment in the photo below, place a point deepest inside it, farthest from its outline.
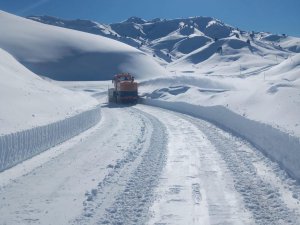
(278, 145)
(36, 114)
(17, 147)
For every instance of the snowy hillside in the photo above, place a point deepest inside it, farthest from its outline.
(260, 68)
(220, 145)
(28, 101)
(270, 97)
(64, 54)
(81, 25)
(35, 114)
(172, 39)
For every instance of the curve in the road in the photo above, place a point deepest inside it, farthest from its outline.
(146, 165)
(231, 175)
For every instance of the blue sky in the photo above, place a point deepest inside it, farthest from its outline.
(276, 16)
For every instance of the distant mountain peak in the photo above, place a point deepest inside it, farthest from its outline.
(135, 19)
(44, 18)
(155, 20)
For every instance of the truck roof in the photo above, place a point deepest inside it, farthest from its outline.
(127, 75)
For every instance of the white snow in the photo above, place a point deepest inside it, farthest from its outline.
(36, 115)
(195, 186)
(145, 165)
(260, 104)
(65, 54)
(152, 166)
(77, 176)
(278, 145)
(28, 101)
(245, 83)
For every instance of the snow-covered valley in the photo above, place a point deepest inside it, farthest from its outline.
(152, 166)
(254, 74)
(221, 145)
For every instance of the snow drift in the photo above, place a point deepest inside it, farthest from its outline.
(64, 54)
(29, 101)
(35, 114)
(278, 145)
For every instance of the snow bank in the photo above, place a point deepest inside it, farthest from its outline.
(28, 101)
(279, 146)
(36, 114)
(17, 147)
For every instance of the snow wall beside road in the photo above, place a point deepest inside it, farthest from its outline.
(277, 145)
(17, 147)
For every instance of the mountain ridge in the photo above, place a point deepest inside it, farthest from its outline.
(168, 40)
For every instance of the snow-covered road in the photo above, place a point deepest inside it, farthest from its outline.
(145, 165)
(212, 177)
(63, 187)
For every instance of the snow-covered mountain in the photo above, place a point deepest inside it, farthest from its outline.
(260, 66)
(163, 38)
(212, 78)
(170, 40)
(64, 54)
(253, 62)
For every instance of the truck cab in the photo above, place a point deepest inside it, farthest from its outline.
(125, 89)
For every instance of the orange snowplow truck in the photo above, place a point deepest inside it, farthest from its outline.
(125, 89)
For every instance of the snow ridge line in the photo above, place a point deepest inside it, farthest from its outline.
(19, 146)
(277, 145)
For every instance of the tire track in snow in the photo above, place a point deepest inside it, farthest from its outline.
(131, 206)
(195, 186)
(126, 193)
(268, 194)
(262, 198)
(53, 191)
